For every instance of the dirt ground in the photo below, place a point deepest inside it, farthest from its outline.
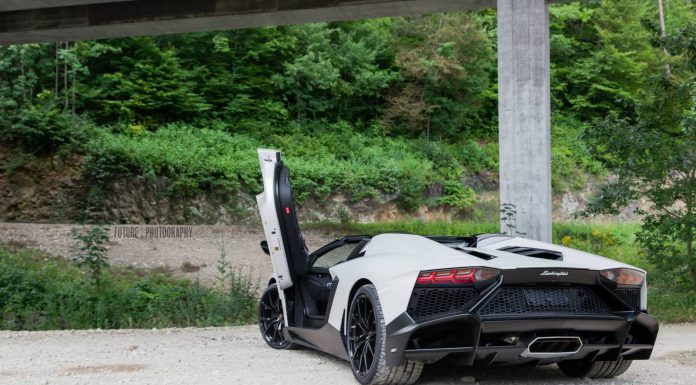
(193, 256)
(238, 355)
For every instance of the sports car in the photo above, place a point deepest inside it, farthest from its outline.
(391, 303)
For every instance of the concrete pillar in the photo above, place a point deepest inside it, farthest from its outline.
(524, 112)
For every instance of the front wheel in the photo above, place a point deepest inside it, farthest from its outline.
(271, 319)
(595, 369)
(367, 335)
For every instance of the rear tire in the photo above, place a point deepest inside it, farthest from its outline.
(271, 319)
(366, 343)
(595, 369)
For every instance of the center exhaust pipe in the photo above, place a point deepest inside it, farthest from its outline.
(552, 347)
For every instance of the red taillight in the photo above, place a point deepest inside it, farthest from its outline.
(425, 277)
(462, 275)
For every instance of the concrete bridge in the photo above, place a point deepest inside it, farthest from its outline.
(523, 63)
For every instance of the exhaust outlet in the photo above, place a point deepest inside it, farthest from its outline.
(553, 347)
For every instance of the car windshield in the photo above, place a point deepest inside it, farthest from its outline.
(335, 256)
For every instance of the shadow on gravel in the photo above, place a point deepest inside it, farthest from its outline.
(448, 373)
(445, 373)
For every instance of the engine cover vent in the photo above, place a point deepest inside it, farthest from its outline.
(536, 253)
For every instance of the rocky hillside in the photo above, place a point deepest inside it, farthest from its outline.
(52, 188)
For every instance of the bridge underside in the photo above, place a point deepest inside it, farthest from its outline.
(62, 20)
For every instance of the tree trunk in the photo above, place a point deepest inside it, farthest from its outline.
(24, 80)
(691, 259)
(65, 80)
(663, 35)
(56, 75)
(74, 93)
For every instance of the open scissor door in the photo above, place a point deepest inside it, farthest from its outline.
(286, 245)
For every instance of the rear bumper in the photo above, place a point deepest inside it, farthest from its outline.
(478, 341)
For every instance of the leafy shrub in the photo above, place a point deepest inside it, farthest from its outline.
(91, 252)
(457, 196)
(334, 160)
(43, 128)
(39, 292)
(571, 160)
(192, 159)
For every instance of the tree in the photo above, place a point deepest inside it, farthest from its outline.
(601, 54)
(654, 157)
(140, 81)
(339, 71)
(445, 62)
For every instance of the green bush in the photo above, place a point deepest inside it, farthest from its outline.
(571, 160)
(192, 159)
(456, 195)
(40, 292)
(43, 128)
(323, 161)
(91, 251)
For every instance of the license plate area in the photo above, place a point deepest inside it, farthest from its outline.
(546, 298)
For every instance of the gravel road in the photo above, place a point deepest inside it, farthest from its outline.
(237, 355)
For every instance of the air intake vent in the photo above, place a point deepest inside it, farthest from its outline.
(425, 303)
(629, 296)
(536, 253)
(544, 300)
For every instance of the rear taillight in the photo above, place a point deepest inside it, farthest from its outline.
(456, 276)
(624, 276)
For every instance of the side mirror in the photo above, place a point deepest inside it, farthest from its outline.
(264, 247)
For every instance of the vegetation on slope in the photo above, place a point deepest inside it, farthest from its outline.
(41, 292)
(345, 101)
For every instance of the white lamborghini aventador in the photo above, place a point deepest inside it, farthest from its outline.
(391, 303)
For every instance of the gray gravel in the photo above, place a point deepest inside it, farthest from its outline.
(237, 355)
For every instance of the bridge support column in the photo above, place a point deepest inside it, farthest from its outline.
(524, 112)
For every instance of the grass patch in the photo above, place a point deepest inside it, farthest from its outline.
(42, 292)
(410, 227)
(667, 301)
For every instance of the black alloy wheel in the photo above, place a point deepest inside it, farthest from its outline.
(366, 337)
(271, 318)
(362, 334)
